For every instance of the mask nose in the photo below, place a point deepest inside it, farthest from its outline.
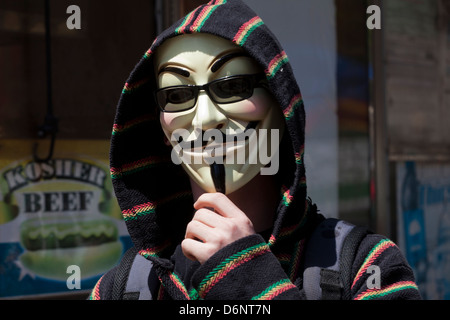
(207, 115)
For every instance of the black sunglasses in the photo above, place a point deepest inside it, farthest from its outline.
(222, 91)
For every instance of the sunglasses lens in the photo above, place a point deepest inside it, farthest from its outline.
(231, 90)
(176, 99)
(226, 90)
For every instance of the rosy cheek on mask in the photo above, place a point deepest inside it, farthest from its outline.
(252, 109)
(173, 121)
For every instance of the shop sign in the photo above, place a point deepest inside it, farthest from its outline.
(55, 217)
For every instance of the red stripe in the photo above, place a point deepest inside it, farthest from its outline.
(284, 288)
(276, 60)
(181, 28)
(373, 255)
(229, 269)
(242, 29)
(179, 285)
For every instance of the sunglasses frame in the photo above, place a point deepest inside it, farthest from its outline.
(256, 80)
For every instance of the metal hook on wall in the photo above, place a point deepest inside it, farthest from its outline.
(50, 125)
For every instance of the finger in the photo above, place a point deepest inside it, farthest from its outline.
(197, 230)
(191, 249)
(197, 251)
(208, 217)
(220, 203)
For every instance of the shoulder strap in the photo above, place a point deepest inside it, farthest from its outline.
(329, 243)
(135, 278)
(348, 255)
(122, 271)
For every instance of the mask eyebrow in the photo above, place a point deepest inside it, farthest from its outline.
(225, 58)
(182, 72)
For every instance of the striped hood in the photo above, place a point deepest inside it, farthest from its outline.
(153, 193)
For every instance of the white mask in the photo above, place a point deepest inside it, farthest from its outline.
(199, 59)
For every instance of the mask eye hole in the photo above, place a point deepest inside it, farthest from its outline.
(177, 99)
(231, 90)
(180, 95)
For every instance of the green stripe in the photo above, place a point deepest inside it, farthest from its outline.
(209, 14)
(136, 216)
(249, 32)
(278, 67)
(193, 295)
(132, 171)
(266, 291)
(228, 260)
(177, 30)
(382, 294)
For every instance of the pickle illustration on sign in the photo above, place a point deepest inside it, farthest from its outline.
(62, 212)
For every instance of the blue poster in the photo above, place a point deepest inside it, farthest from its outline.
(424, 225)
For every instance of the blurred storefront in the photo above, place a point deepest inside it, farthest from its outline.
(377, 144)
(414, 133)
(57, 206)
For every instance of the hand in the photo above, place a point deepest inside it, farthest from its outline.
(216, 223)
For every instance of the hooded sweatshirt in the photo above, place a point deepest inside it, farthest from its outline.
(157, 203)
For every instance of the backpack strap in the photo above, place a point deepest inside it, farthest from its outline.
(121, 275)
(135, 279)
(348, 255)
(322, 278)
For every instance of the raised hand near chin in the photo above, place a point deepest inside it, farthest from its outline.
(216, 223)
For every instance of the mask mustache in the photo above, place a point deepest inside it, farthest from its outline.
(191, 144)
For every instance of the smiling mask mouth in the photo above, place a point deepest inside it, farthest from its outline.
(228, 140)
(218, 169)
(199, 144)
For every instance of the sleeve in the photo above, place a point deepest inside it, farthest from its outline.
(244, 270)
(104, 286)
(381, 272)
